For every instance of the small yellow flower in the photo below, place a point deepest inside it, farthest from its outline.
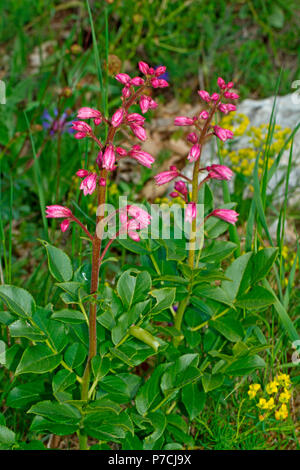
(285, 396)
(284, 379)
(282, 412)
(253, 389)
(266, 405)
(272, 387)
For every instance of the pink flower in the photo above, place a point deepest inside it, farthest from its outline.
(160, 70)
(183, 121)
(146, 103)
(80, 135)
(141, 217)
(219, 172)
(126, 92)
(142, 157)
(155, 82)
(57, 212)
(138, 131)
(166, 176)
(137, 81)
(97, 121)
(123, 78)
(120, 151)
(215, 96)
(203, 115)
(88, 185)
(82, 126)
(192, 137)
(194, 153)
(137, 118)
(190, 212)
(221, 83)
(144, 68)
(181, 187)
(82, 173)
(231, 96)
(230, 85)
(117, 117)
(228, 215)
(89, 113)
(223, 134)
(226, 108)
(65, 225)
(204, 95)
(109, 158)
(162, 83)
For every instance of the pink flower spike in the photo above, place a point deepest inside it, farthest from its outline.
(219, 172)
(138, 131)
(89, 113)
(123, 78)
(82, 173)
(181, 187)
(117, 117)
(160, 70)
(183, 121)
(231, 96)
(144, 103)
(144, 68)
(221, 83)
(192, 137)
(203, 115)
(166, 176)
(230, 85)
(194, 153)
(227, 215)
(55, 211)
(142, 157)
(88, 185)
(137, 81)
(190, 212)
(65, 225)
(109, 158)
(215, 97)
(204, 95)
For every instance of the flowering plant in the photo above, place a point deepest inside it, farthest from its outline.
(124, 361)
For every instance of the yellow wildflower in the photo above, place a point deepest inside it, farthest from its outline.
(284, 379)
(285, 396)
(272, 387)
(266, 405)
(253, 389)
(282, 413)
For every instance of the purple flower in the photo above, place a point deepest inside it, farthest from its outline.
(57, 123)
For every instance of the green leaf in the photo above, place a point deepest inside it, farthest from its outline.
(6, 318)
(57, 412)
(217, 251)
(159, 423)
(7, 438)
(100, 366)
(228, 327)
(24, 394)
(150, 393)
(245, 365)
(132, 286)
(38, 360)
(263, 261)
(103, 404)
(121, 388)
(18, 300)
(236, 272)
(193, 399)
(22, 328)
(59, 263)
(211, 382)
(108, 426)
(75, 355)
(165, 298)
(41, 424)
(180, 373)
(69, 316)
(176, 248)
(60, 382)
(255, 299)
